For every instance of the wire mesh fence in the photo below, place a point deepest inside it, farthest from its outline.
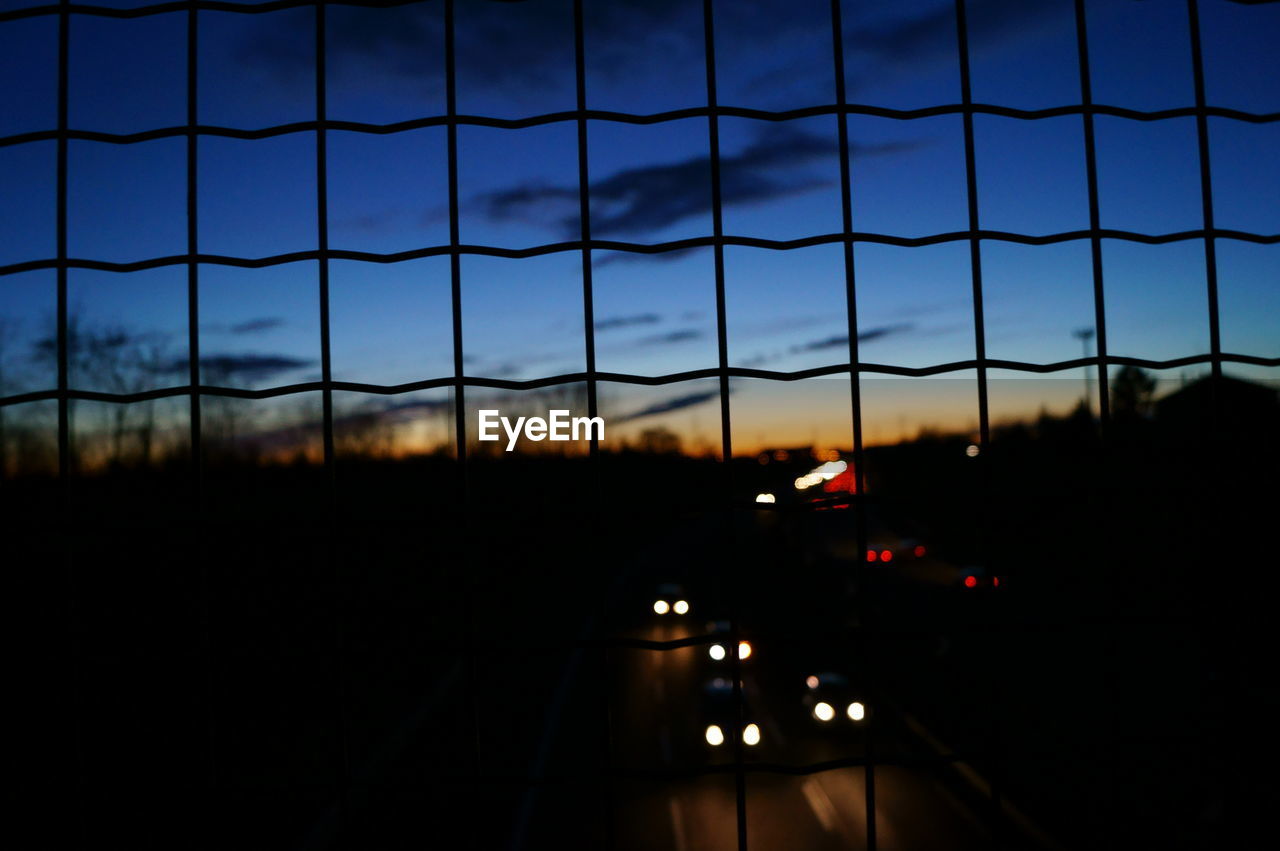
(587, 246)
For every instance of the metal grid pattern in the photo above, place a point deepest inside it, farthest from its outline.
(712, 111)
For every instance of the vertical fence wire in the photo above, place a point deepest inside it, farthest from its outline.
(726, 432)
(855, 402)
(75, 640)
(337, 595)
(584, 216)
(459, 387)
(1095, 219)
(980, 347)
(589, 331)
(1206, 193)
(196, 431)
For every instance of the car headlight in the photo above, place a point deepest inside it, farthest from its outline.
(744, 649)
(751, 735)
(661, 607)
(857, 711)
(681, 607)
(715, 736)
(824, 711)
(716, 651)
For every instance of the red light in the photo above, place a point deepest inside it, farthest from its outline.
(995, 580)
(886, 555)
(971, 582)
(919, 551)
(871, 555)
(843, 483)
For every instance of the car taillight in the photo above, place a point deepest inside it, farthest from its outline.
(886, 555)
(919, 551)
(871, 555)
(971, 582)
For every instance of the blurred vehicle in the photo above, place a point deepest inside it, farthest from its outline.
(670, 599)
(719, 716)
(719, 652)
(833, 701)
(976, 577)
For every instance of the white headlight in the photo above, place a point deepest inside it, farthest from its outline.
(744, 649)
(716, 651)
(661, 607)
(681, 607)
(824, 711)
(715, 736)
(857, 711)
(751, 735)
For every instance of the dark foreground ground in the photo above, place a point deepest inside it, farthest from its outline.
(287, 660)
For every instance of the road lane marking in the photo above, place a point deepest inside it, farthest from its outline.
(982, 787)
(677, 822)
(820, 803)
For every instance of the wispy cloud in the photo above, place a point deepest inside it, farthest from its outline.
(248, 367)
(683, 335)
(614, 322)
(840, 340)
(668, 405)
(652, 197)
(254, 326)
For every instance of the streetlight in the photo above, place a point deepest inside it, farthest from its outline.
(1084, 335)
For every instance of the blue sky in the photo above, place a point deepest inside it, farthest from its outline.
(518, 188)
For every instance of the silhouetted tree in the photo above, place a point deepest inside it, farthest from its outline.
(1132, 391)
(658, 441)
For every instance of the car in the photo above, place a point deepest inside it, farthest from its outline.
(832, 701)
(720, 718)
(719, 651)
(670, 599)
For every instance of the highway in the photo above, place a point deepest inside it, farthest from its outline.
(658, 731)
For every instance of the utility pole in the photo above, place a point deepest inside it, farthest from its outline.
(1085, 336)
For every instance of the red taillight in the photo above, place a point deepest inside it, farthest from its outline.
(971, 582)
(919, 551)
(995, 580)
(871, 555)
(886, 555)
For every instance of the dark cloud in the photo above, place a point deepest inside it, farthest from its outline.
(934, 33)
(648, 198)
(867, 336)
(668, 405)
(253, 326)
(681, 336)
(614, 322)
(608, 259)
(248, 367)
(522, 47)
(517, 46)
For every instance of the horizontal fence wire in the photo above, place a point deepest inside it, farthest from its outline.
(573, 115)
(640, 247)
(631, 378)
